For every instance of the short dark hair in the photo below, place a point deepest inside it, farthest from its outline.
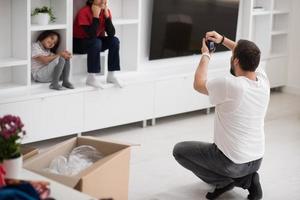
(46, 34)
(89, 2)
(248, 55)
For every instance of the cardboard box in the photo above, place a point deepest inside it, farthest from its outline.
(107, 178)
(28, 152)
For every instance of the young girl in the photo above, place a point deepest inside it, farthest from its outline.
(47, 65)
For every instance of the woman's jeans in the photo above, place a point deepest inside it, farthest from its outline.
(93, 47)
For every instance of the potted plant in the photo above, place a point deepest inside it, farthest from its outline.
(11, 134)
(43, 15)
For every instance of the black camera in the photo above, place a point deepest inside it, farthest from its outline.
(211, 46)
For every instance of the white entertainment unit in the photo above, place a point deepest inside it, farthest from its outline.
(154, 88)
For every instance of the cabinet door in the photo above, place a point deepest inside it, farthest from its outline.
(30, 114)
(115, 106)
(194, 99)
(276, 70)
(170, 97)
(61, 115)
(177, 95)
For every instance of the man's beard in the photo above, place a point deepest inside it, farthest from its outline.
(232, 67)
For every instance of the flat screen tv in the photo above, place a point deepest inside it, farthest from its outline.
(178, 26)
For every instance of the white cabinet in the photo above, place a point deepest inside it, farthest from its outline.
(61, 115)
(169, 98)
(276, 70)
(115, 106)
(195, 100)
(30, 114)
(50, 117)
(177, 95)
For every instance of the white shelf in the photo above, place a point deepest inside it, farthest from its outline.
(35, 27)
(277, 12)
(277, 55)
(262, 12)
(10, 86)
(8, 62)
(280, 32)
(125, 21)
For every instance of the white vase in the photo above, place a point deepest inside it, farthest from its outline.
(41, 19)
(13, 167)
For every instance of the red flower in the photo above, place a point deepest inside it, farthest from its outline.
(10, 125)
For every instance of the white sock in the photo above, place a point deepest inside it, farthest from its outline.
(112, 78)
(92, 81)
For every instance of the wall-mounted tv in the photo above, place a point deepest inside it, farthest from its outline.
(178, 26)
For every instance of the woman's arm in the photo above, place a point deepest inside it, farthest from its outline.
(91, 30)
(110, 29)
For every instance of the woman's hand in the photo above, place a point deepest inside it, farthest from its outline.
(96, 10)
(104, 7)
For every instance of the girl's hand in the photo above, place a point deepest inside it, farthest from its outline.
(65, 54)
(96, 10)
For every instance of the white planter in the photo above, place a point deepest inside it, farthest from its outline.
(13, 167)
(41, 19)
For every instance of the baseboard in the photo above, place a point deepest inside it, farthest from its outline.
(292, 90)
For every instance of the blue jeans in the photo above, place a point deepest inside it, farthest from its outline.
(93, 47)
(207, 162)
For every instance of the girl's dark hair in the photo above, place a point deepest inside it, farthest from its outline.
(46, 34)
(89, 2)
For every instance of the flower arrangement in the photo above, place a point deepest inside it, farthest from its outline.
(11, 134)
(45, 10)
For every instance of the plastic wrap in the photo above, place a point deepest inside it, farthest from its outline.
(79, 159)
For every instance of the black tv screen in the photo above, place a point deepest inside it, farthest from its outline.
(178, 26)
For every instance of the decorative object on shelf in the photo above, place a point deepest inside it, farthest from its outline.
(11, 134)
(42, 16)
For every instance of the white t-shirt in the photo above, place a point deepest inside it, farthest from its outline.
(241, 106)
(37, 50)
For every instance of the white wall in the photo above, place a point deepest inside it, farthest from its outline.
(293, 83)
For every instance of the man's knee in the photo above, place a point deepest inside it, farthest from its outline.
(179, 149)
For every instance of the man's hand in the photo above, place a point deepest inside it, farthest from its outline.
(214, 37)
(204, 48)
(217, 38)
(96, 10)
(201, 72)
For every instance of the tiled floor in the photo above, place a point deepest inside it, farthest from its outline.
(155, 175)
